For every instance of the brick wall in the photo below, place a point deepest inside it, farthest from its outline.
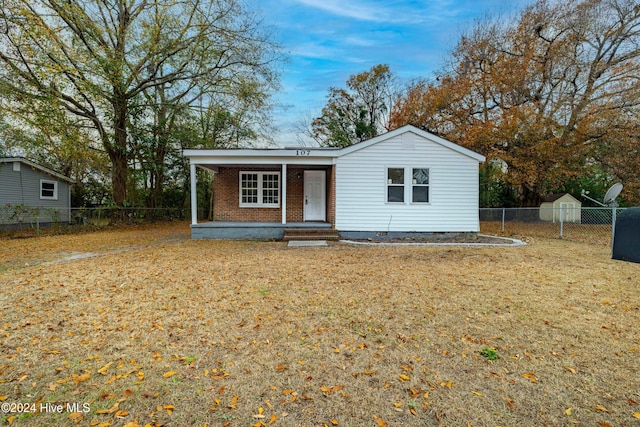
(226, 197)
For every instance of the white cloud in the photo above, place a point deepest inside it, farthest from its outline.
(346, 9)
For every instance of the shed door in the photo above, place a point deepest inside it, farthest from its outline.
(315, 196)
(568, 212)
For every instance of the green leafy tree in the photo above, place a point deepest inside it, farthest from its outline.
(357, 113)
(98, 59)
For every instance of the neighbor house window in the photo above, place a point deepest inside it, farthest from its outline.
(259, 189)
(420, 185)
(395, 185)
(48, 189)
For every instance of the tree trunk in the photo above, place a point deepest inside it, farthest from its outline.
(118, 153)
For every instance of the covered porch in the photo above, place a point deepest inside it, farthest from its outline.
(259, 193)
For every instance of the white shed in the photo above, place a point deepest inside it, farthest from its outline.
(560, 206)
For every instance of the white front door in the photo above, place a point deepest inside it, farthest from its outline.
(315, 196)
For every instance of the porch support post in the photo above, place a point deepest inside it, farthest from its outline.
(194, 196)
(284, 193)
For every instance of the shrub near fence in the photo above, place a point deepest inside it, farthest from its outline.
(589, 225)
(22, 217)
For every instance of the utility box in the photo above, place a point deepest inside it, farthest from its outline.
(626, 239)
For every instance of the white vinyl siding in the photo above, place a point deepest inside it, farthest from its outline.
(362, 188)
(259, 189)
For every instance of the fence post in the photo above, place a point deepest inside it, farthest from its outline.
(561, 220)
(503, 220)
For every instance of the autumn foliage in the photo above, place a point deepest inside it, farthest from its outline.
(550, 99)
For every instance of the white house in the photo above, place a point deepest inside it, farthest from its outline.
(406, 181)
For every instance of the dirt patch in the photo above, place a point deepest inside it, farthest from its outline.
(185, 332)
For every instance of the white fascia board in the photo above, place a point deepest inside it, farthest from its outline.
(408, 128)
(261, 157)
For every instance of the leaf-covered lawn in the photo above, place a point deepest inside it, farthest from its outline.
(154, 328)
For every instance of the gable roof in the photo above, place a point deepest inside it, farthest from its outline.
(309, 155)
(550, 198)
(36, 166)
(409, 128)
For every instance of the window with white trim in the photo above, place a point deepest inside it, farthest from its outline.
(48, 189)
(420, 185)
(395, 185)
(259, 189)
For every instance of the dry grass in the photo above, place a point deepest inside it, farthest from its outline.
(164, 331)
(597, 234)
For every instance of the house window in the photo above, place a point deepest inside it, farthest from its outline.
(395, 185)
(420, 185)
(260, 189)
(48, 189)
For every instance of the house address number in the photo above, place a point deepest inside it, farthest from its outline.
(303, 152)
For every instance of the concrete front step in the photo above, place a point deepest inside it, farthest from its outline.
(314, 237)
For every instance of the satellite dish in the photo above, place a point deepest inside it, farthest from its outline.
(612, 193)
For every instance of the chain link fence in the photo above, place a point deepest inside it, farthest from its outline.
(23, 217)
(589, 225)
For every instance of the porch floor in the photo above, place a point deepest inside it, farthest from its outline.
(249, 230)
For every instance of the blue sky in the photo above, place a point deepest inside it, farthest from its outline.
(329, 40)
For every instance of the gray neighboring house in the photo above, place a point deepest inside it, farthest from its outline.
(31, 193)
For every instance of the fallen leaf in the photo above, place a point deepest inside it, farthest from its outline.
(530, 376)
(76, 416)
(334, 422)
(603, 424)
(104, 369)
(330, 390)
(111, 410)
(81, 378)
(570, 369)
(380, 421)
(234, 402)
(273, 419)
(636, 415)
(477, 393)
(168, 374)
(568, 411)
(601, 408)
